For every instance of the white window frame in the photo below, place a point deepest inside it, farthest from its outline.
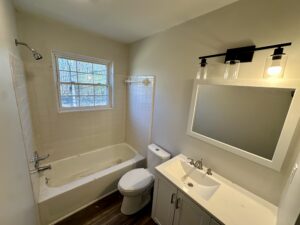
(110, 78)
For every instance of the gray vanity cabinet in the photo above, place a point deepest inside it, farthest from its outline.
(187, 212)
(164, 200)
(172, 207)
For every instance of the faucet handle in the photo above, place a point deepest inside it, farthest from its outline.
(209, 171)
(43, 157)
(199, 164)
(191, 161)
(37, 158)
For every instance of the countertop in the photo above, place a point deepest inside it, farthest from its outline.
(231, 204)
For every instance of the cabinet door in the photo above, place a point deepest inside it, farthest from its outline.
(163, 202)
(189, 213)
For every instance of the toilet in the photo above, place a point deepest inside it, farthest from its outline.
(136, 185)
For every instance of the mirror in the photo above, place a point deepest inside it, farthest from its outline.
(245, 120)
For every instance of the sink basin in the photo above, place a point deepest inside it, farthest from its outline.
(192, 179)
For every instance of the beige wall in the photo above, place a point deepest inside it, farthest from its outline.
(172, 57)
(65, 134)
(17, 205)
(289, 209)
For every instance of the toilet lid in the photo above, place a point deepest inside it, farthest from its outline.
(136, 179)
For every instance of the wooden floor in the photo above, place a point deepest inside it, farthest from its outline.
(107, 212)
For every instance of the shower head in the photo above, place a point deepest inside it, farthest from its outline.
(35, 54)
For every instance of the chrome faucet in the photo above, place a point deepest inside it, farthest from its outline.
(43, 168)
(36, 160)
(199, 164)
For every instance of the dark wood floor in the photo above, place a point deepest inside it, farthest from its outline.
(107, 212)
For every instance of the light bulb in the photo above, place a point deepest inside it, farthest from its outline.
(232, 69)
(198, 75)
(202, 71)
(275, 64)
(274, 70)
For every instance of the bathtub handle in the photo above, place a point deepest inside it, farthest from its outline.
(37, 158)
(173, 196)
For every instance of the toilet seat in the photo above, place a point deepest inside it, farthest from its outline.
(135, 181)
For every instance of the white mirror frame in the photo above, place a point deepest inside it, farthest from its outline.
(288, 129)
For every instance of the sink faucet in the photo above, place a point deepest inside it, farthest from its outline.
(199, 164)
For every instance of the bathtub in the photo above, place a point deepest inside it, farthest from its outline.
(78, 181)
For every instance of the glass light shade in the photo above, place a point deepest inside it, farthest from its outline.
(202, 73)
(232, 69)
(274, 67)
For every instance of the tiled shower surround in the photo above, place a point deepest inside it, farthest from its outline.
(140, 100)
(20, 87)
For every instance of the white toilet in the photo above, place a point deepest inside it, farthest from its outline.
(136, 185)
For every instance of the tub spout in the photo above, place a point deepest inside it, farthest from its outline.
(43, 168)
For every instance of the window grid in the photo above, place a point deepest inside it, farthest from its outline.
(80, 92)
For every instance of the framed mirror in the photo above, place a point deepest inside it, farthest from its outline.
(255, 120)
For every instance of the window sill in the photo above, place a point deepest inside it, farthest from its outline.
(87, 109)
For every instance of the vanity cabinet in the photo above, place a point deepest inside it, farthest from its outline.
(165, 199)
(172, 207)
(187, 212)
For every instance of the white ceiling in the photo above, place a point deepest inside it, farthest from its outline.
(122, 20)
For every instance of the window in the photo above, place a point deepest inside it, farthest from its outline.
(83, 83)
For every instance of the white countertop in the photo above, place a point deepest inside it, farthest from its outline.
(231, 204)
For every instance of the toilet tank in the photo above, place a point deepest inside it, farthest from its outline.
(156, 156)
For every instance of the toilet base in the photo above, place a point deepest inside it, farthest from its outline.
(133, 204)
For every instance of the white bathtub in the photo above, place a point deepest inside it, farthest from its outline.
(80, 180)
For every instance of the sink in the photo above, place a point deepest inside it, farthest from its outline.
(192, 179)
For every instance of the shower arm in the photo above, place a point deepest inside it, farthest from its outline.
(23, 43)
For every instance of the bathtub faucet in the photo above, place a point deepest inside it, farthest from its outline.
(43, 168)
(40, 169)
(36, 159)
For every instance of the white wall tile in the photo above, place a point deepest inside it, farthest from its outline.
(139, 113)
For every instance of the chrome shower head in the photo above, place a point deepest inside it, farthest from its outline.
(36, 55)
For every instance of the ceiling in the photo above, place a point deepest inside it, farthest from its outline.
(122, 20)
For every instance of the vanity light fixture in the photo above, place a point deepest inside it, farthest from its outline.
(275, 64)
(232, 69)
(202, 71)
(274, 67)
